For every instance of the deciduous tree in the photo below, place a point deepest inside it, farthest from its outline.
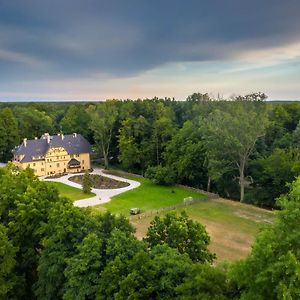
(231, 136)
(7, 263)
(103, 117)
(181, 233)
(273, 267)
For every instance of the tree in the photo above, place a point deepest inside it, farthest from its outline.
(149, 275)
(87, 183)
(83, 269)
(26, 219)
(7, 263)
(11, 187)
(9, 136)
(271, 175)
(185, 154)
(161, 175)
(163, 130)
(103, 117)
(67, 226)
(76, 120)
(272, 269)
(110, 279)
(181, 233)
(33, 122)
(231, 136)
(204, 282)
(136, 148)
(122, 245)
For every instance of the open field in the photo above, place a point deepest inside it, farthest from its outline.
(70, 192)
(231, 225)
(147, 196)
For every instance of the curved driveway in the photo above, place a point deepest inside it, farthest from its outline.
(102, 196)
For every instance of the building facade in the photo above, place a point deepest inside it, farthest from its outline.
(54, 155)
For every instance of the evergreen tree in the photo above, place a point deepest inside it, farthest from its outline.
(87, 183)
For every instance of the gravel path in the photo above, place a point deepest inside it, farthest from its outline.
(102, 196)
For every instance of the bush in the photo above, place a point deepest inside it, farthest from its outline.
(161, 175)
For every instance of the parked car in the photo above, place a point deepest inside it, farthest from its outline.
(134, 211)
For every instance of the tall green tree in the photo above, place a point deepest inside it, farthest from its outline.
(272, 270)
(83, 269)
(33, 122)
(136, 147)
(9, 136)
(87, 183)
(7, 264)
(204, 282)
(76, 120)
(231, 135)
(103, 117)
(273, 173)
(185, 153)
(181, 233)
(67, 226)
(30, 214)
(149, 275)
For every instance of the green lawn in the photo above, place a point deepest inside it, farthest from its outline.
(231, 225)
(147, 196)
(70, 192)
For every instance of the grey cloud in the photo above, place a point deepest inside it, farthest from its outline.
(78, 38)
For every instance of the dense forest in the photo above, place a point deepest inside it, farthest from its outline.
(243, 148)
(50, 249)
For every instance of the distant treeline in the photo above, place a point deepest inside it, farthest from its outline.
(240, 148)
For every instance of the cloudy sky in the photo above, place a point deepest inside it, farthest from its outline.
(94, 49)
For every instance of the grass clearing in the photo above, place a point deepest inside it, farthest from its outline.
(147, 196)
(70, 192)
(231, 225)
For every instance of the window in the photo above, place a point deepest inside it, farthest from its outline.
(57, 165)
(34, 164)
(42, 169)
(83, 162)
(50, 166)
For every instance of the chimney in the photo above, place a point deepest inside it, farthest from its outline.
(58, 134)
(62, 136)
(75, 134)
(35, 138)
(25, 142)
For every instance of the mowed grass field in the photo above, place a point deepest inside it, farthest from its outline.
(147, 196)
(70, 192)
(231, 225)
